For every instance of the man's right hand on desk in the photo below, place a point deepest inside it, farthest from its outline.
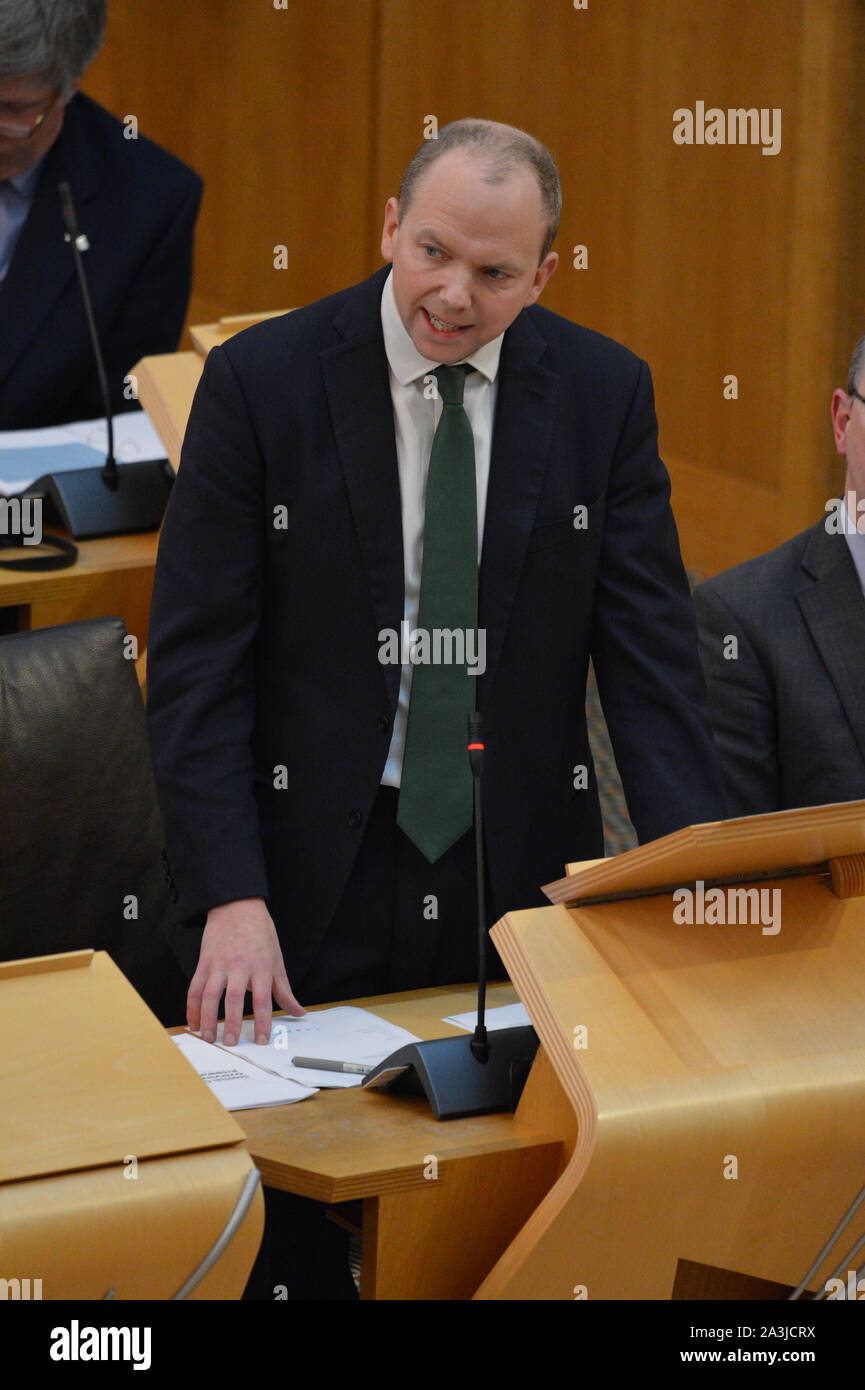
(239, 951)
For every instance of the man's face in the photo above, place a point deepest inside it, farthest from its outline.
(848, 426)
(465, 255)
(22, 101)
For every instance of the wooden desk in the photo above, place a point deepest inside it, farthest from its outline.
(166, 387)
(113, 575)
(441, 1199)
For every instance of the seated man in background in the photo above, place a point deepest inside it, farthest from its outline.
(136, 204)
(781, 640)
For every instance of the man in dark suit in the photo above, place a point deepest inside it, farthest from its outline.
(291, 548)
(136, 204)
(781, 646)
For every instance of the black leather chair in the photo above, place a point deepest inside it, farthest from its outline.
(80, 833)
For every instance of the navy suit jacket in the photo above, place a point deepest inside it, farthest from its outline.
(789, 706)
(137, 205)
(263, 649)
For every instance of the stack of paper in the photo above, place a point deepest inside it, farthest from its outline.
(505, 1016)
(236, 1082)
(26, 455)
(344, 1034)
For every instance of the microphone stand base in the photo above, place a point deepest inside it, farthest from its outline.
(454, 1082)
(89, 506)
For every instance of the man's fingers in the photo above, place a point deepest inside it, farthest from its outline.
(211, 995)
(235, 992)
(262, 1007)
(284, 997)
(239, 951)
(193, 1001)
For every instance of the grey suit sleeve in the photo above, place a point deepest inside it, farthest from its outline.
(742, 705)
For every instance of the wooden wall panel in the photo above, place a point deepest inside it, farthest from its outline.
(673, 257)
(273, 108)
(706, 260)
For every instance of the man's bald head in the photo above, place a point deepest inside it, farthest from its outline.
(502, 149)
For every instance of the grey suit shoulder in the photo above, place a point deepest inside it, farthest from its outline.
(781, 641)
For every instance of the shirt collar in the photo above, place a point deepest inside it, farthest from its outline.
(25, 182)
(855, 542)
(406, 362)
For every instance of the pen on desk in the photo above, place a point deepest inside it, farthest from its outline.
(322, 1064)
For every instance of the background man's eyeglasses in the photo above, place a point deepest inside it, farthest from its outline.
(16, 129)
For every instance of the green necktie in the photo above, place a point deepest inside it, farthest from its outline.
(435, 802)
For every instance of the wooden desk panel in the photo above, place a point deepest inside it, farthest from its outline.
(345, 1144)
(442, 1199)
(113, 576)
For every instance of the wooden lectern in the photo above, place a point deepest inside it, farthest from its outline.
(166, 383)
(119, 1171)
(709, 1074)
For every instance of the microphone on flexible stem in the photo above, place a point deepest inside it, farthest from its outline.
(479, 1045)
(103, 500)
(79, 243)
(461, 1075)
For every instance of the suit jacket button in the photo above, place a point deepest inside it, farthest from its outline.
(383, 723)
(355, 820)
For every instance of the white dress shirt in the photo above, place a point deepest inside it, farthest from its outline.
(855, 541)
(415, 422)
(16, 199)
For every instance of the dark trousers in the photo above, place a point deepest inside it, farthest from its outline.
(403, 923)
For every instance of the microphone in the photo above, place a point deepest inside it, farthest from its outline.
(479, 1045)
(462, 1076)
(106, 500)
(79, 244)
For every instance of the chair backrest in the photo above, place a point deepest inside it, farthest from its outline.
(80, 831)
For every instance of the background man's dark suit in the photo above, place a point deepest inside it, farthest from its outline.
(789, 712)
(137, 205)
(264, 642)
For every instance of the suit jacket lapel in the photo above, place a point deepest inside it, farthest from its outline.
(361, 409)
(42, 264)
(522, 438)
(833, 607)
(358, 391)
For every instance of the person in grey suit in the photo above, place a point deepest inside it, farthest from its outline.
(781, 642)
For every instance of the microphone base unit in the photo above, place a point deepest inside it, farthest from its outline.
(88, 505)
(451, 1078)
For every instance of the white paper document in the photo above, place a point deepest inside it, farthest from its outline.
(234, 1081)
(26, 455)
(344, 1034)
(505, 1016)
